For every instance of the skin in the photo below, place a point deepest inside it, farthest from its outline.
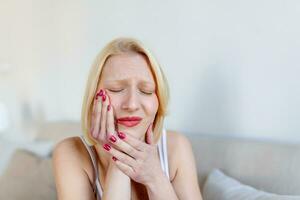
(129, 90)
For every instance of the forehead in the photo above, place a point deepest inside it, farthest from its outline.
(125, 67)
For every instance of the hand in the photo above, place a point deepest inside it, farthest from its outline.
(99, 122)
(135, 158)
(103, 127)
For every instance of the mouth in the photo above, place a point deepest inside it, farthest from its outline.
(129, 121)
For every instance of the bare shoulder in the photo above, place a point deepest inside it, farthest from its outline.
(182, 166)
(71, 150)
(178, 147)
(71, 169)
(68, 145)
(177, 142)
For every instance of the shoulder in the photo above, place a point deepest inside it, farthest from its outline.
(68, 144)
(71, 151)
(71, 168)
(182, 166)
(177, 141)
(68, 148)
(178, 147)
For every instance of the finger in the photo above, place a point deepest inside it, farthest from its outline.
(124, 158)
(97, 114)
(93, 117)
(124, 147)
(149, 135)
(110, 123)
(123, 167)
(132, 141)
(102, 130)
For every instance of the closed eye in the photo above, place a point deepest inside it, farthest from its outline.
(115, 90)
(120, 90)
(147, 93)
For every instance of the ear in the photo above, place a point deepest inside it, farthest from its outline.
(149, 135)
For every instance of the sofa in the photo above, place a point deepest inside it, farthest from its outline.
(272, 167)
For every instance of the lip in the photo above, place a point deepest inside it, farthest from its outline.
(129, 121)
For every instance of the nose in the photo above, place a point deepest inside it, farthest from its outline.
(130, 102)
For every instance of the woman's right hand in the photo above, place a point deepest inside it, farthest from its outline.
(103, 129)
(101, 118)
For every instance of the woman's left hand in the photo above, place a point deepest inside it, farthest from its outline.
(137, 159)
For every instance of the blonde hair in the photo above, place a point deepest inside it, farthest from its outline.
(116, 47)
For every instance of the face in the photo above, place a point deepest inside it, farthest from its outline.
(130, 85)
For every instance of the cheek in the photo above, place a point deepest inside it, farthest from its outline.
(151, 106)
(115, 102)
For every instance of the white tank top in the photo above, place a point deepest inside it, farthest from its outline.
(163, 155)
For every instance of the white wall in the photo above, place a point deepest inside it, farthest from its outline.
(233, 66)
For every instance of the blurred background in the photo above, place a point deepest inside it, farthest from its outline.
(233, 66)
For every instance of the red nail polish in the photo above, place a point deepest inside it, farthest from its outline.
(108, 107)
(113, 138)
(107, 147)
(103, 98)
(121, 135)
(100, 93)
(114, 158)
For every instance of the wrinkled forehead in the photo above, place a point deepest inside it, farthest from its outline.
(129, 66)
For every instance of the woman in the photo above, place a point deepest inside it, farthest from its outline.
(125, 153)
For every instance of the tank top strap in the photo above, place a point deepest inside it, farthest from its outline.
(163, 153)
(96, 187)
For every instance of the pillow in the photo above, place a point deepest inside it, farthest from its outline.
(40, 148)
(218, 186)
(27, 176)
(58, 130)
(7, 148)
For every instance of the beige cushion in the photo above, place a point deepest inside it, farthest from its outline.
(218, 186)
(56, 131)
(269, 166)
(27, 177)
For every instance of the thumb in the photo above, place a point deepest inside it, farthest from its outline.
(149, 135)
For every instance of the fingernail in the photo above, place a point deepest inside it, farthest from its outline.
(107, 147)
(103, 98)
(113, 138)
(108, 107)
(114, 158)
(121, 135)
(100, 93)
